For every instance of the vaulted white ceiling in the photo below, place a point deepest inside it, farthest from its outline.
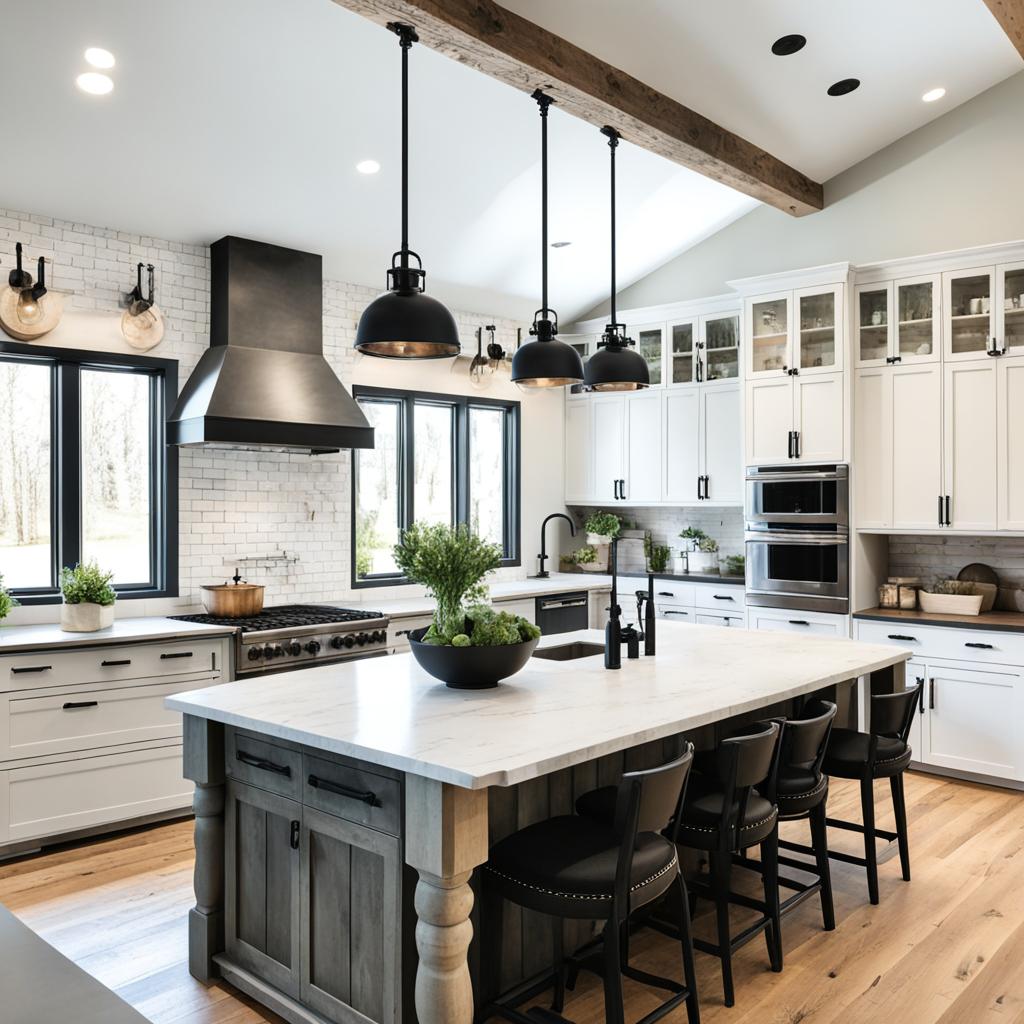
(248, 117)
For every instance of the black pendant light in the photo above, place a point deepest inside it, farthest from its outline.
(615, 366)
(546, 362)
(404, 323)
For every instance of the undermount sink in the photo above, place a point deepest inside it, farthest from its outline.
(570, 651)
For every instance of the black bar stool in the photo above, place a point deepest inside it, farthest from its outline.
(723, 814)
(799, 788)
(580, 868)
(884, 753)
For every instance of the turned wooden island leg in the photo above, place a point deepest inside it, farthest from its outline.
(204, 765)
(446, 838)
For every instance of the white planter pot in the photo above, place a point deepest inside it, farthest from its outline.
(86, 617)
(597, 539)
(703, 562)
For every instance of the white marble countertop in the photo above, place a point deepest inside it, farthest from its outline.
(46, 635)
(551, 715)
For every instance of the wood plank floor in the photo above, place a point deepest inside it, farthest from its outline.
(947, 947)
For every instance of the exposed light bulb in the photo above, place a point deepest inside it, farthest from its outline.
(95, 83)
(29, 309)
(99, 58)
(933, 94)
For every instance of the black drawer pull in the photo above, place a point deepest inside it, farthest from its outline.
(295, 833)
(723, 597)
(72, 705)
(901, 636)
(799, 622)
(30, 668)
(267, 766)
(176, 654)
(112, 663)
(672, 611)
(366, 796)
(981, 647)
(666, 593)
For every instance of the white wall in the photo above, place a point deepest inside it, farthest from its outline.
(954, 183)
(247, 504)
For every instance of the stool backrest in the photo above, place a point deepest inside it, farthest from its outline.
(745, 759)
(892, 714)
(803, 741)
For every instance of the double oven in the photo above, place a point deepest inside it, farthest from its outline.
(797, 538)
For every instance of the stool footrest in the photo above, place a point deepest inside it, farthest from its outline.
(856, 826)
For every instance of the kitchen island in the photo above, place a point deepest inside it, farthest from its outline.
(342, 810)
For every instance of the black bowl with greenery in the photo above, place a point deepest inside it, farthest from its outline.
(469, 645)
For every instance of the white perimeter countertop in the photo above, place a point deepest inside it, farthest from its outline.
(46, 635)
(551, 715)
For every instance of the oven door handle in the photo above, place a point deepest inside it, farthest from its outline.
(790, 476)
(821, 540)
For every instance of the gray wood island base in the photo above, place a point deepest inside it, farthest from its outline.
(342, 812)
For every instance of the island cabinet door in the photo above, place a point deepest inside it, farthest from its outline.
(262, 884)
(351, 920)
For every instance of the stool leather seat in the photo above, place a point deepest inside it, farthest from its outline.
(702, 813)
(797, 790)
(566, 866)
(849, 752)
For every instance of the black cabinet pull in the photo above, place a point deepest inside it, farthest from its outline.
(666, 593)
(723, 597)
(622, 489)
(949, 522)
(176, 654)
(920, 694)
(789, 451)
(113, 662)
(707, 488)
(931, 696)
(699, 495)
(672, 611)
(981, 647)
(796, 438)
(365, 796)
(73, 705)
(30, 668)
(903, 636)
(267, 766)
(296, 831)
(799, 622)
(941, 523)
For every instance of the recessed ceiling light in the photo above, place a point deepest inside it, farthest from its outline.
(560, 245)
(844, 86)
(934, 94)
(99, 58)
(368, 167)
(786, 45)
(95, 83)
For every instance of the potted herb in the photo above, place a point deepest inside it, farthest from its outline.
(704, 559)
(602, 527)
(7, 602)
(468, 645)
(735, 565)
(657, 555)
(88, 598)
(585, 558)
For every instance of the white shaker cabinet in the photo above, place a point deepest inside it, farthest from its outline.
(769, 420)
(579, 450)
(682, 418)
(1010, 447)
(642, 470)
(970, 444)
(818, 417)
(720, 440)
(609, 446)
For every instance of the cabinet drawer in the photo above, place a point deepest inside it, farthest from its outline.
(398, 631)
(723, 600)
(798, 622)
(109, 664)
(352, 793)
(48, 799)
(259, 763)
(725, 621)
(82, 718)
(975, 645)
(674, 614)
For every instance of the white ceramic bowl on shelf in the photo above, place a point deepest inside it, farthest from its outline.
(951, 604)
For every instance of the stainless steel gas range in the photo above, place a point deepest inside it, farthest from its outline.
(292, 636)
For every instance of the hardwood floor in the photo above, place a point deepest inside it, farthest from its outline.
(948, 947)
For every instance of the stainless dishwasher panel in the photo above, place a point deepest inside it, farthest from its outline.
(563, 613)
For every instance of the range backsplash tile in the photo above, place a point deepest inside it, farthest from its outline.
(941, 557)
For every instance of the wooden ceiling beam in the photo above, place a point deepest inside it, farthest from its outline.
(491, 39)
(1010, 15)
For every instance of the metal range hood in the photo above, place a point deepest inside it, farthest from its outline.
(264, 382)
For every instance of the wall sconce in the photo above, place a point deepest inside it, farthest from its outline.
(28, 309)
(142, 323)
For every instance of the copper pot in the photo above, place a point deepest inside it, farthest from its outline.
(234, 600)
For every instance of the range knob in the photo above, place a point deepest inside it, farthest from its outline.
(278, 651)
(337, 642)
(350, 640)
(313, 647)
(294, 648)
(268, 652)
(255, 653)
(380, 636)
(361, 639)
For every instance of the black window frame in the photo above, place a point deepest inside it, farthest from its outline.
(461, 498)
(66, 365)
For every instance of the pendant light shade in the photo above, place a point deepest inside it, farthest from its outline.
(404, 322)
(546, 362)
(616, 366)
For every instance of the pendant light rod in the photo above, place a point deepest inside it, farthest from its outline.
(543, 101)
(613, 143)
(406, 37)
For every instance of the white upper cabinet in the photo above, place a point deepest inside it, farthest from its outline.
(721, 444)
(1010, 452)
(872, 448)
(818, 330)
(1010, 308)
(770, 338)
(682, 345)
(682, 455)
(872, 304)
(968, 303)
(579, 451)
(718, 351)
(918, 315)
(970, 445)
(915, 396)
(818, 418)
(643, 469)
(609, 446)
(769, 420)
(650, 343)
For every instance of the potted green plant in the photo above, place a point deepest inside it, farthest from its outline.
(585, 558)
(88, 598)
(7, 602)
(468, 645)
(735, 565)
(656, 555)
(704, 559)
(602, 527)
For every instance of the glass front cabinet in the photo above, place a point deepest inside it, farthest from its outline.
(682, 360)
(719, 347)
(897, 322)
(650, 343)
(797, 332)
(968, 302)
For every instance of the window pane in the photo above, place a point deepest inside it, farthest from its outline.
(25, 559)
(432, 498)
(116, 473)
(378, 492)
(487, 473)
